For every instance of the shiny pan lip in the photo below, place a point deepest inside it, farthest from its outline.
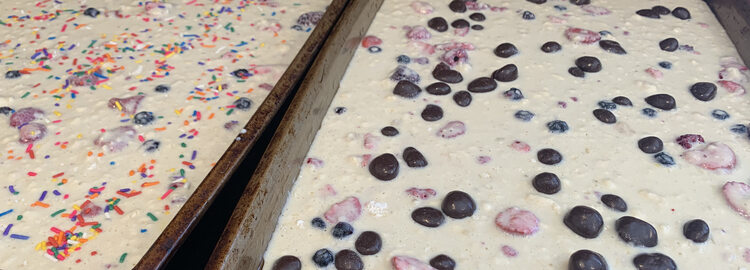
(190, 214)
(253, 221)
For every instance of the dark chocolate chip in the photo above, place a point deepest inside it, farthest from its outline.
(414, 158)
(460, 23)
(538, 2)
(696, 230)
(438, 89)
(650, 145)
(428, 217)
(482, 85)
(612, 46)
(389, 131)
(576, 72)
(636, 232)
(91, 12)
(661, 10)
(703, 91)
(681, 13)
(151, 145)
(580, 2)
(162, 88)
(547, 183)
(614, 202)
(479, 17)
(438, 24)
(384, 167)
(669, 44)
(432, 113)
(589, 64)
(549, 156)
(584, 221)
(457, 6)
(406, 89)
(605, 116)
(444, 73)
(587, 260)
(662, 101)
(368, 243)
(477, 27)
(624, 101)
(551, 46)
(287, 263)
(506, 50)
(648, 13)
(348, 260)
(462, 98)
(443, 262)
(654, 261)
(528, 15)
(507, 73)
(458, 205)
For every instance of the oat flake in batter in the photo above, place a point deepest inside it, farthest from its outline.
(534, 134)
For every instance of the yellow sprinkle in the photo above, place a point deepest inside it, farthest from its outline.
(178, 112)
(138, 61)
(79, 136)
(119, 107)
(67, 106)
(262, 45)
(106, 87)
(76, 207)
(139, 76)
(57, 113)
(171, 170)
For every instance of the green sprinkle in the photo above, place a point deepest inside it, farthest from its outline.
(182, 156)
(58, 97)
(152, 216)
(19, 217)
(183, 145)
(96, 226)
(230, 111)
(26, 95)
(182, 172)
(92, 43)
(122, 257)
(57, 212)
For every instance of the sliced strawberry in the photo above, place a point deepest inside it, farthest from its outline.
(746, 255)
(737, 195)
(371, 141)
(365, 160)
(596, 11)
(520, 146)
(83, 80)
(315, 162)
(461, 31)
(425, 47)
(713, 156)
(116, 139)
(687, 141)
(484, 159)
(370, 41)
(422, 7)
(421, 193)
(655, 73)
(452, 129)
(409, 263)
(455, 57)
(25, 115)
(583, 36)
(127, 105)
(517, 221)
(733, 74)
(31, 132)
(347, 210)
(473, 5)
(455, 45)
(732, 87)
(509, 251)
(418, 33)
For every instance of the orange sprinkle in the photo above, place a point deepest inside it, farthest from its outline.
(187, 122)
(100, 154)
(153, 161)
(90, 153)
(131, 173)
(148, 184)
(211, 116)
(161, 129)
(41, 204)
(93, 196)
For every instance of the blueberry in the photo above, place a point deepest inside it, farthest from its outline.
(720, 114)
(12, 74)
(576, 72)
(339, 110)
(587, 260)
(6, 110)
(607, 105)
(614, 202)
(580, 2)
(589, 64)
(547, 183)
(403, 73)
(241, 73)
(650, 145)
(524, 115)
(161, 88)
(242, 103)
(654, 261)
(557, 126)
(403, 59)
(297, 27)
(527, 15)
(739, 129)
(506, 50)
(681, 13)
(91, 12)
(443, 262)
(624, 101)
(143, 118)
(561, 8)
(636, 232)
(549, 156)
(665, 64)
(389, 131)
(458, 205)
(584, 221)
(342, 230)
(151, 145)
(318, 223)
(374, 49)
(310, 18)
(649, 112)
(664, 159)
(323, 257)
(696, 230)
(513, 94)
(551, 46)
(669, 44)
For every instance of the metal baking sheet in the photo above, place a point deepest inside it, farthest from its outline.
(252, 224)
(187, 218)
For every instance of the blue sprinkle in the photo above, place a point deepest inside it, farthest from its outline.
(6, 212)
(18, 236)
(44, 195)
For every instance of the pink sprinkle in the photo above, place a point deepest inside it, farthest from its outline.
(31, 174)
